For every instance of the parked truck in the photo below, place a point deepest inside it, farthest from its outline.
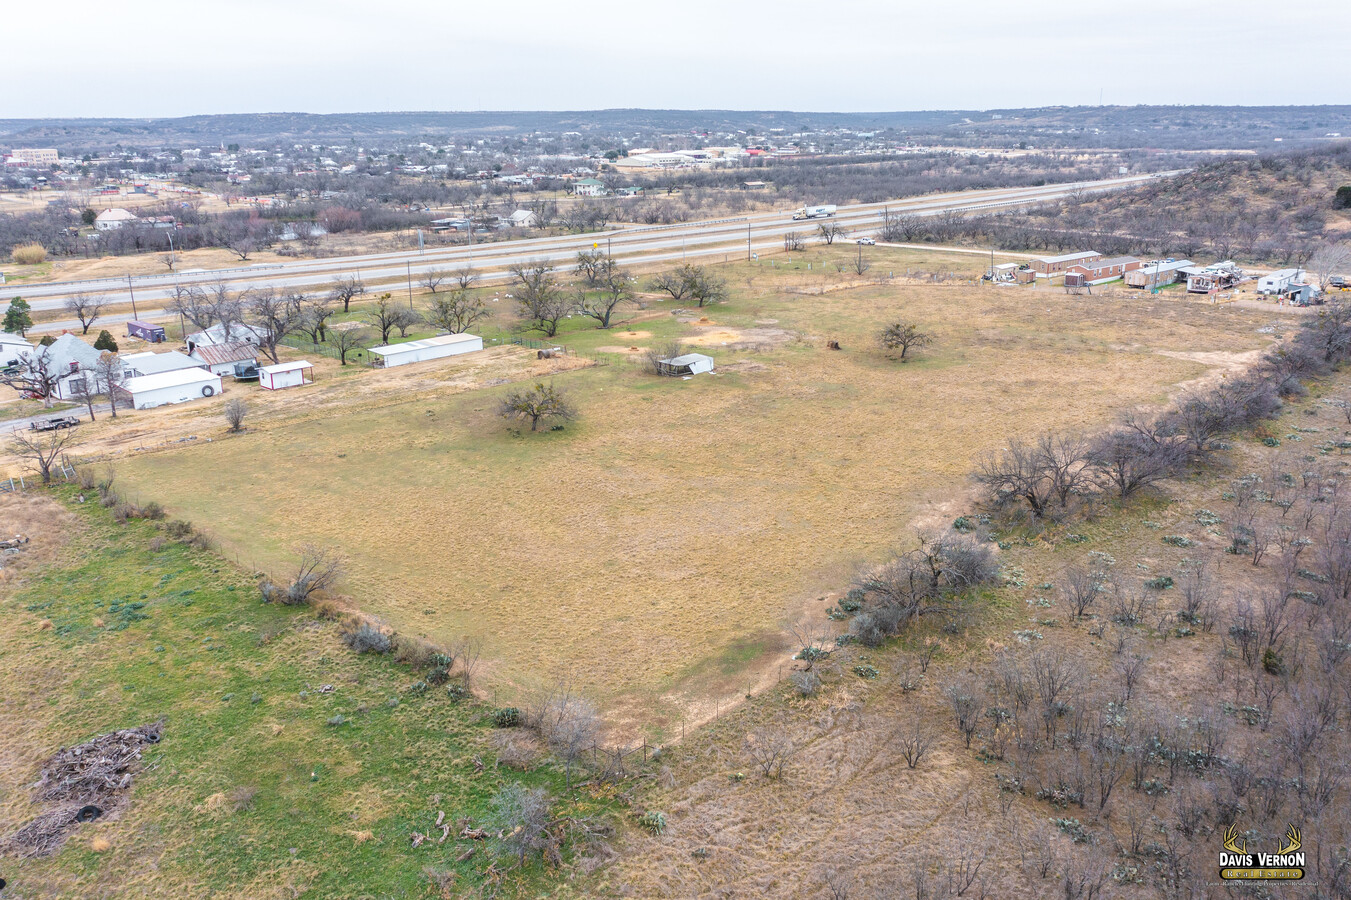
(813, 212)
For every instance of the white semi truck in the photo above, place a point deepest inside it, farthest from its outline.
(813, 212)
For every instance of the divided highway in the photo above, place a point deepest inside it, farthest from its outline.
(639, 245)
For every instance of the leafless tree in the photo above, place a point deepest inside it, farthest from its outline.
(1081, 589)
(109, 374)
(467, 651)
(384, 314)
(524, 817)
(612, 289)
(319, 568)
(968, 703)
(33, 374)
(1136, 455)
(273, 316)
(793, 242)
(314, 316)
(676, 283)
(235, 410)
(345, 340)
(830, 230)
(193, 304)
(465, 277)
(861, 265)
(575, 725)
(405, 318)
(537, 403)
(432, 279)
(591, 266)
(86, 308)
(540, 296)
(770, 747)
(904, 336)
(705, 287)
(82, 389)
(227, 309)
(456, 312)
(42, 449)
(1329, 260)
(344, 290)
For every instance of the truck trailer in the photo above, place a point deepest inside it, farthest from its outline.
(813, 212)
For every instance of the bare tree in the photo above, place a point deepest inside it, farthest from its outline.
(968, 703)
(1138, 454)
(534, 404)
(83, 390)
(33, 374)
(227, 309)
(86, 308)
(540, 296)
(273, 316)
(830, 230)
(1329, 260)
(345, 340)
(574, 725)
(904, 336)
(42, 449)
(235, 410)
(318, 569)
(523, 818)
(591, 265)
(1081, 589)
(676, 283)
(770, 747)
(465, 277)
(793, 242)
(405, 318)
(384, 315)
(913, 740)
(432, 279)
(861, 265)
(192, 303)
(314, 316)
(613, 289)
(344, 290)
(706, 287)
(109, 374)
(456, 312)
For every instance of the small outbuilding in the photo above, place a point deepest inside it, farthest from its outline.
(685, 364)
(223, 358)
(1277, 282)
(164, 388)
(285, 375)
(146, 331)
(428, 348)
(149, 363)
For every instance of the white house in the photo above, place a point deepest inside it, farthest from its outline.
(588, 187)
(149, 363)
(70, 364)
(164, 388)
(285, 375)
(428, 348)
(523, 218)
(11, 345)
(1278, 281)
(112, 219)
(685, 364)
(221, 358)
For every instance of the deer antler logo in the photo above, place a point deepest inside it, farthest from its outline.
(1291, 842)
(1231, 841)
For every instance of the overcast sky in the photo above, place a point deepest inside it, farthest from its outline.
(145, 58)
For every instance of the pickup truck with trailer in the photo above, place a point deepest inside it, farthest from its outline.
(814, 212)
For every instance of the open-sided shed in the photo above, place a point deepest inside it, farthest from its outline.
(685, 364)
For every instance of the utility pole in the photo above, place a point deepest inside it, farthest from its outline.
(748, 242)
(131, 289)
(409, 266)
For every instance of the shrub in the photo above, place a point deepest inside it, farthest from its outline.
(105, 341)
(653, 821)
(506, 717)
(157, 544)
(178, 529)
(418, 688)
(457, 692)
(1272, 662)
(366, 638)
(29, 254)
(866, 672)
(1161, 583)
(152, 510)
(438, 675)
(1074, 829)
(1178, 540)
(807, 683)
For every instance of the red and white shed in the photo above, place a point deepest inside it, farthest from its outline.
(285, 375)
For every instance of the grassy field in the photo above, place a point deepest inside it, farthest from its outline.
(289, 765)
(658, 545)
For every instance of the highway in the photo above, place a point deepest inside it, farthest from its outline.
(732, 237)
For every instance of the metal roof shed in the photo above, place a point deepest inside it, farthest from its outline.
(428, 348)
(179, 386)
(285, 375)
(686, 364)
(150, 363)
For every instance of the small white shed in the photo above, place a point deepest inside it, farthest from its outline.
(285, 375)
(685, 364)
(150, 363)
(428, 348)
(179, 386)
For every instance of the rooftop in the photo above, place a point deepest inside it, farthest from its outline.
(167, 379)
(440, 340)
(286, 367)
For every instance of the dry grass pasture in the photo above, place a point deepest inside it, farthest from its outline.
(658, 545)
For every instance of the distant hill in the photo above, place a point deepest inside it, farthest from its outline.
(1166, 127)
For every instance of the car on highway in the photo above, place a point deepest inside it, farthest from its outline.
(866, 241)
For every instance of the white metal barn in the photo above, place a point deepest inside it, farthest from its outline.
(686, 364)
(428, 348)
(151, 363)
(164, 388)
(285, 375)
